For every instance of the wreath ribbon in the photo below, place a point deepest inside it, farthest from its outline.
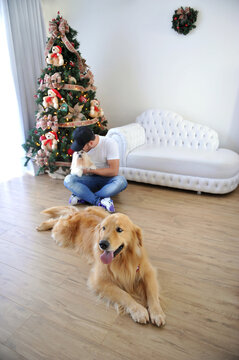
(183, 13)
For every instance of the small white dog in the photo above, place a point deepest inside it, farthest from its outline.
(80, 161)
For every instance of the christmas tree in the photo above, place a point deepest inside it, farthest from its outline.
(66, 100)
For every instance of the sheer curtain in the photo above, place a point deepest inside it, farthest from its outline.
(22, 33)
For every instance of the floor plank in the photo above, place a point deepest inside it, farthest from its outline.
(81, 314)
(12, 317)
(40, 338)
(7, 354)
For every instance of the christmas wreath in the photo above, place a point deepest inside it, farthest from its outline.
(183, 20)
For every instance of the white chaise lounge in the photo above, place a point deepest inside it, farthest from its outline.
(164, 149)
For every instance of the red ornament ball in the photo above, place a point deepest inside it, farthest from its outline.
(82, 99)
(70, 151)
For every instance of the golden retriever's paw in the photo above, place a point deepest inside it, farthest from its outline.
(157, 316)
(139, 314)
(40, 228)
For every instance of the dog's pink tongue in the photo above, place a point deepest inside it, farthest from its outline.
(107, 257)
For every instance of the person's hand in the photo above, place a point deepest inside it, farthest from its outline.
(87, 171)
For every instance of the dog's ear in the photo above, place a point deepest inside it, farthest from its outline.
(96, 233)
(97, 228)
(138, 234)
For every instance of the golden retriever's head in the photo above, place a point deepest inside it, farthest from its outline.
(117, 235)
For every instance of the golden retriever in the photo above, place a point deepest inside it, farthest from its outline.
(121, 271)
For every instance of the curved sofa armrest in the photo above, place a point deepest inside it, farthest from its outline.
(128, 138)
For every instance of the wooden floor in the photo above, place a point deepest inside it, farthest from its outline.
(47, 311)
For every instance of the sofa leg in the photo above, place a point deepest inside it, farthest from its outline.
(199, 192)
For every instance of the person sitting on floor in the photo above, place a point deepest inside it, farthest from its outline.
(96, 186)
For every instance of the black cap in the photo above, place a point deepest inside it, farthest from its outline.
(82, 135)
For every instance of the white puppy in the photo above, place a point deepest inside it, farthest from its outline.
(80, 161)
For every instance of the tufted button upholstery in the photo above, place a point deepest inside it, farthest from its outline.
(162, 148)
(170, 129)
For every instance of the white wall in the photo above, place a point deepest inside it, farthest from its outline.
(139, 62)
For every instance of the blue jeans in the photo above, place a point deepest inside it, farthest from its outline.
(93, 188)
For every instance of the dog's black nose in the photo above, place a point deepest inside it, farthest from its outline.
(104, 244)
